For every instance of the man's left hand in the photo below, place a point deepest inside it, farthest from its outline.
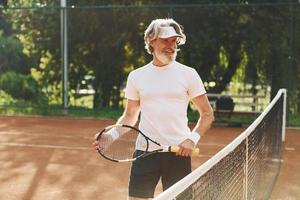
(186, 148)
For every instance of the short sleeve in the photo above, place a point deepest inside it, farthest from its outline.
(196, 86)
(131, 91)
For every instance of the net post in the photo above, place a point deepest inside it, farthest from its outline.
(284, 92)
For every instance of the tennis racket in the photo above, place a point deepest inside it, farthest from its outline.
(118, 143)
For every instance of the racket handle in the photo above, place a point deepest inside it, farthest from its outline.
(174, 149)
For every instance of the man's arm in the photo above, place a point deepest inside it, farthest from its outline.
(129, 117)
(131, 113)
(206, 114)
(204, 123)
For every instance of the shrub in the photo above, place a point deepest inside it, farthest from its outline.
(6, 98)
(21, 86)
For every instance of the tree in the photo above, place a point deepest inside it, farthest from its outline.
(11, 56)
(107, 43)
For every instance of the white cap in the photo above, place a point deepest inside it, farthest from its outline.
(167, 32)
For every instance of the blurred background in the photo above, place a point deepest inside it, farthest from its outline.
(73, 57)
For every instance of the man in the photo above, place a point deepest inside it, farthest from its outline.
(161, 91)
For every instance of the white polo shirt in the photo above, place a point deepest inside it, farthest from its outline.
(164, 94)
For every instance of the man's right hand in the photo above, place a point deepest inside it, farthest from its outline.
(103, 143)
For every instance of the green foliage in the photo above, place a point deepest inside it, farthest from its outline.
(21, 86)
(11, 56)
(250, 45)
(293, 120)
(6, 99)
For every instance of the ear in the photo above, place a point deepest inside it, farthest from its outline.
(152, 42)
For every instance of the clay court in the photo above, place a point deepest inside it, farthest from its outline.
(52, 158)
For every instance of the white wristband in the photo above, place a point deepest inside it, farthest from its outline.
(195, 137)
(113, 133)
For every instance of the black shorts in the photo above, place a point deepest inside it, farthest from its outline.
(146, 172)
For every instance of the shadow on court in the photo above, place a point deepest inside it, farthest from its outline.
(52, 158)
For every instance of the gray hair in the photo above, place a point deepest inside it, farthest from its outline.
(153, 29)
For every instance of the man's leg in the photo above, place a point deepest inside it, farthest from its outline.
(144, 176)
(174, 168)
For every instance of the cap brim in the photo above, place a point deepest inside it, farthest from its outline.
(168, 36)
(167, 32)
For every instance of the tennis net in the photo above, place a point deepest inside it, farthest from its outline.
(246, 168)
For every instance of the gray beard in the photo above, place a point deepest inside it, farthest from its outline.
(165, 59)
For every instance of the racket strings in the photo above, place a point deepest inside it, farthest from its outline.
(123, 147)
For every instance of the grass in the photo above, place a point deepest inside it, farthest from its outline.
(81, 112)
(293, 120)
(55, 110)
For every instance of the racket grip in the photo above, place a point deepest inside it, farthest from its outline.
(174, 149)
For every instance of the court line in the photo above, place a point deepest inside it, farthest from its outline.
(43, 135)
(212, 144)
(89, 138)
(62, 147)
(44, 146)
(65, 147)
